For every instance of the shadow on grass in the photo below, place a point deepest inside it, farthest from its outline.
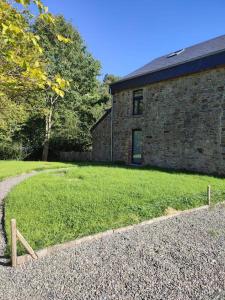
(145, 168)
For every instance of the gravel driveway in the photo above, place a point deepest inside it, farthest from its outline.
(179, 258)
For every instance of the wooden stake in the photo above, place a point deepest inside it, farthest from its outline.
(13, 243)
(26, 245)
(209, 194)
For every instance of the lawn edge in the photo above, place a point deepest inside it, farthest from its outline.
(37, 170)
(53, 249)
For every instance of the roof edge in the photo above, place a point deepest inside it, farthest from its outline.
(198, 64)
(101, 119)
(165, 68)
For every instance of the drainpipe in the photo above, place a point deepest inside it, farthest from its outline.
(111, 127)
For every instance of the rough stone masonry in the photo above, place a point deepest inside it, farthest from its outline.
(183, 124)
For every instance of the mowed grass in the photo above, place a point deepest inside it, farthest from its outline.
(56, 207)
(14, 167)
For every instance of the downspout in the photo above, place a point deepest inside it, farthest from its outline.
(111, 127)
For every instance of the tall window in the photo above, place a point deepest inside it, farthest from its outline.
(136, 146)
(138, 102)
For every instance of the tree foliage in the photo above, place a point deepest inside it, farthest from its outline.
(49, 91)
(104, 95)
(64, 120)
(22, 66)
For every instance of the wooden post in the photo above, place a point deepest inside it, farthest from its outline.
(15, 234)
(13, 243)
(209, 195)
(26, 245)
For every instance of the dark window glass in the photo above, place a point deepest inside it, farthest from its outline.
(136, 146)
(138, 102)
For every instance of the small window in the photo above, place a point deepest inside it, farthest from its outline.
(138, 102)
(175, 53)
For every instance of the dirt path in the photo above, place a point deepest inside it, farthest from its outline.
(5, 187)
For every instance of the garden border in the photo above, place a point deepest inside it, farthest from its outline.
(53, 249)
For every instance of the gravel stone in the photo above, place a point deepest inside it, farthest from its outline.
(178, 258)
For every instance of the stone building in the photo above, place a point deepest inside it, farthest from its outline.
(170, 113)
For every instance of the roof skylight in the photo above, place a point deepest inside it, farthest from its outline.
(175, 53)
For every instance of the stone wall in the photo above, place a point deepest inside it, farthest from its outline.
(183, 123)
(101, 140)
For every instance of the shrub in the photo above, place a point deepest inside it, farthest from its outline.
(11, 151)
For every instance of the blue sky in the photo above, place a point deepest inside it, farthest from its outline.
(126, 34)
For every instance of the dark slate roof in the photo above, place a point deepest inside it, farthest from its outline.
(199, 57)
(102, 118)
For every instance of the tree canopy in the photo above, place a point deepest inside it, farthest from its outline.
(76, 65)
(50, 94)
(22, 64)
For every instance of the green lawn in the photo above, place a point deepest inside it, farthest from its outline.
(14, 167)
(56, 207)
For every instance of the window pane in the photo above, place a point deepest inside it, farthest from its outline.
(140, 111)
(138, 93)
(138, 102)
(135, 108)
(137, 146)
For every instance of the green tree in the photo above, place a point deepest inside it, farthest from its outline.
(71, 61)
(104, 94)
(22, 65)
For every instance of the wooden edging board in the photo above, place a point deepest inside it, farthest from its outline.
(53, 249)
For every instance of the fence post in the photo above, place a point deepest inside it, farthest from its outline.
(13, 243)
(209, 195)
(26, 245)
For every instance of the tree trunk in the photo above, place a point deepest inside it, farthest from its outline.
(45, 150)
(48, 126)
